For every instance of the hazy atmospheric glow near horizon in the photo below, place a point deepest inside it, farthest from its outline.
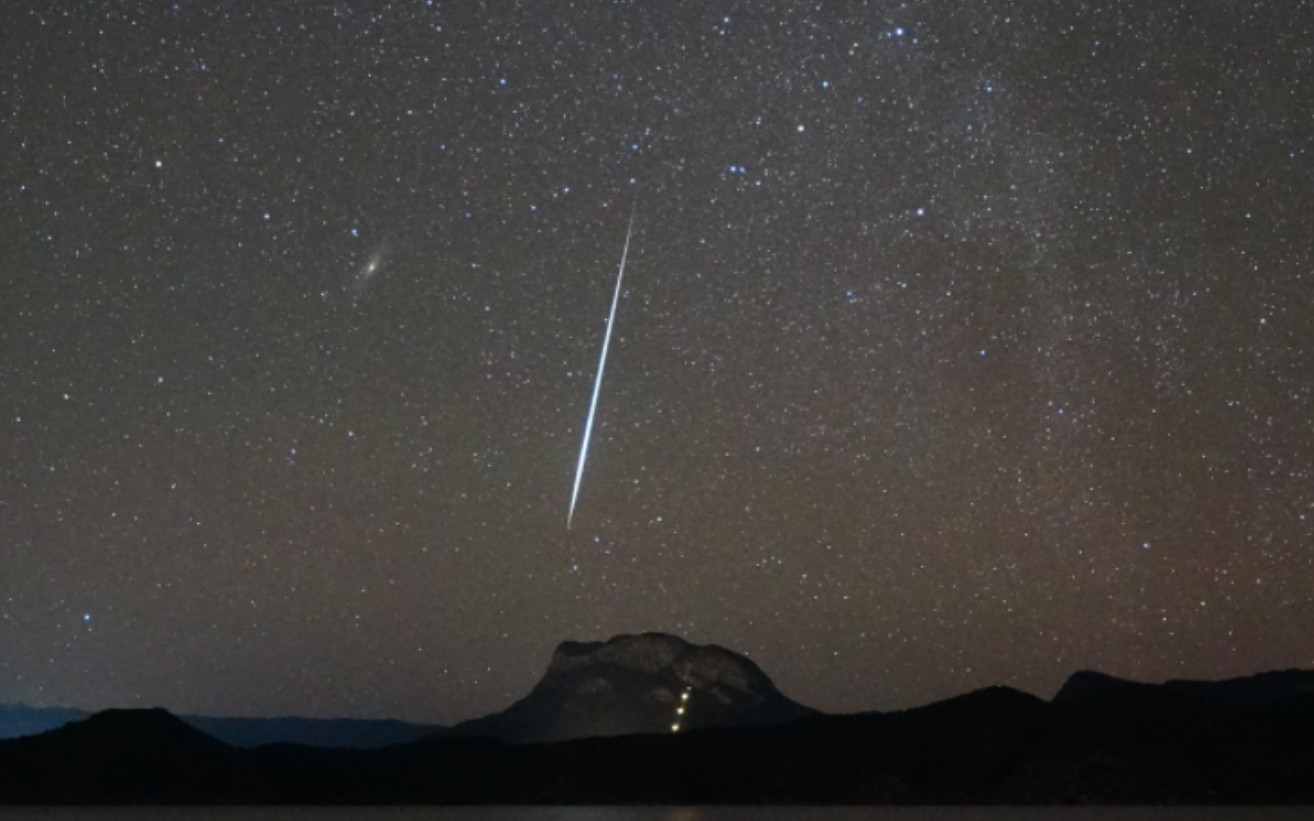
(962, 344)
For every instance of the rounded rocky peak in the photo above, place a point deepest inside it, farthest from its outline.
(644, 653)
(655, 653)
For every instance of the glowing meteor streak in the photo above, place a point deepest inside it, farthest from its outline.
(602, 363)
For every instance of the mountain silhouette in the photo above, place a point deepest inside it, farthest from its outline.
(1263, 688)
(118, 756)
(1101, 740)
(20, 720)
(1085, 684)
(17, 720)
(649, 683)
(334, 733)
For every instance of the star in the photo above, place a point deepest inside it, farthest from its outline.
(896, 373)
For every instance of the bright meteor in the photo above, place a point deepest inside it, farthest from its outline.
(602, 363)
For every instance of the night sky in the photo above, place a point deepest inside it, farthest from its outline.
(959, 344)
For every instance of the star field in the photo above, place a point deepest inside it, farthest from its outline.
(960, 344)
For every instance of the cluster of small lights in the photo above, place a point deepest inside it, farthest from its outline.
(681, 707)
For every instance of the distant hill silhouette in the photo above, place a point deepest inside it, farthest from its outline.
(117, 757)
(18, 720)
(337, 733)
(647, 683)
(1255, 690)
(1101, 740)
(1087, 683)
(1263, 688)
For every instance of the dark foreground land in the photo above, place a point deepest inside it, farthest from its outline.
(1099, 741)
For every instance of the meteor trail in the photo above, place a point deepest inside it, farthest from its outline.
(602, 363)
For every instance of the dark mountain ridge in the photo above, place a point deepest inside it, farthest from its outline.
(335, 733)
(116, 756)
(628, 684)
(1262, 688)
(1101, 740)
(1255, 690)
(991, 746)
(18, 720)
